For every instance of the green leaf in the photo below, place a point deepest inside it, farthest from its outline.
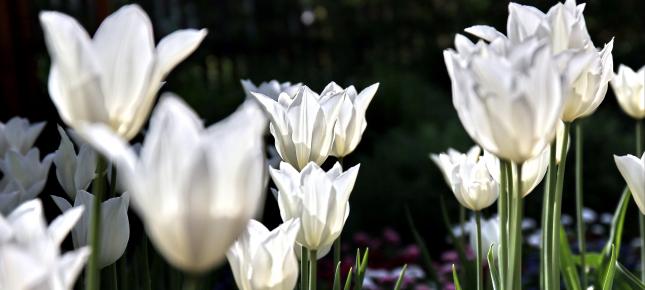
(494, 272)
(593, 260)
(425, 254)
(616, 232)
(608, 274)
(567, 264)
(361, 266)
(626, 280)
(455, 278)
(399, 281)
(348, 282)
(337, 277)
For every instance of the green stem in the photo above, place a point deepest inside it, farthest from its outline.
(313, 269)
(304, 268)
(503, 221)
(337, 243)
(557, 211)
(191, 282)
(147, 283)
(579, 204)
(641, 217)
(462, 224)
(514, 279)
(546, 279)
(123, 272)
(98, 189)
(113, 273)
(478, 242)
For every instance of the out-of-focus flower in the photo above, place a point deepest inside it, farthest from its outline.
(24, 178)
(115, 227)
(633, 171)
(30, 257)
(351, 120)
(473, 185)
(74, 172)
(271, 89)
(533, 170)
(303, 125)
(264, 260)
(589, 215)
(490, 235)
(563, 27)
(509, 97)
(452, 158)
(195, 188)
(18, 135)
(318, 198)
(113, 78)
(629, 88)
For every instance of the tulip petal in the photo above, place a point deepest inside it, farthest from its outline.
(63, 224)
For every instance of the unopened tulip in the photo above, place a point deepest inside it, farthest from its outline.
(271, 89)
(115, 227)
(633, 171)
(303, 125)
(264, 260)
(30, 257)
(195, 188)
(319, 199)
(351, 120)
(74, 172)
(24, 178)
(18, 135)
(473, 185)
(112, 78)
(629, 88)
(452, 158)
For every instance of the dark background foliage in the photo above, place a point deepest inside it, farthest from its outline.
(397, 43)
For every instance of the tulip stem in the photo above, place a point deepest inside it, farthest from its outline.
(462, 224)
(503, 220)
(113, 273)
(641, 217)
(547, 217)
(514, 279)
(191, 282)
(304, 268)
(98, 188)
(313, 271)
(478, 242)
(581, 225)
(557, 211)
(337, 244)
(147, 284)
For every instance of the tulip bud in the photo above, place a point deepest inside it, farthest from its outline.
(24, 177)
(633, 171)
(351, 120)
(74, 172)
(629, 88)
(18, 135)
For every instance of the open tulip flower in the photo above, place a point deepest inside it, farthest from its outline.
(74, 172)
(264, 260)
(195, 188)
(303, 125)
(629, 88)
(115, 227)
(24, 178)
(633, 171)
(112, 78)
(18, 135)
(271, 89)
(30, 257)
(452, 158)
(351, 120)
(319, 199)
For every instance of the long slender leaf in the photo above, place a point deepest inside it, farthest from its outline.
(337, 277)
(348, 282)
(607, 280)
(455, 278)
(425, 254)
(616, 232)
(494, 272)
(567, 265)
(626, 278)
(399, 281)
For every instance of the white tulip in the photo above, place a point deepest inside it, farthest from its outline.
(319, 199)
(490, 233)
(473, 185)
(112, 78)
(633, 171)
(303, 126)
(509, 98)
(30, 257)
(264, 260)
(351, 120)
(115, 227)
(18, 135)
(271, 89)
(564, 28)
(195, 188)
(533, 170)
(629, 88)
(74, 172)
(24, 178)
(452, 158)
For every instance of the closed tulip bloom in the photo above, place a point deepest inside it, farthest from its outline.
(319, 199)
(115, 227)
(74, 172)
(271, 89)
(490, 235)
(452, 158)
(533, 170)
(633, 171)
(112, 78)
(303, 126)
(264, 260)
(18, 135)
(473, 185)
(564, 28)
(629, 88)
(351, 120)
(30, 257)
(195, 188)
(509, 98)
(24, 178)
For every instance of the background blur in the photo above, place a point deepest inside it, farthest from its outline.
(397, 43)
